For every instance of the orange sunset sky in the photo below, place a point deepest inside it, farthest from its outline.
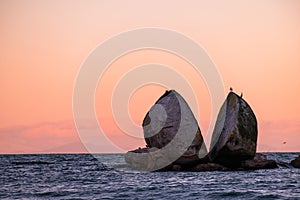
(254, 44)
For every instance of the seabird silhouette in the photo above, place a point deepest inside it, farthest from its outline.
(230, 89)
(241, 95)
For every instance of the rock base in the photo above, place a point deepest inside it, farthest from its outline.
(260, 161)
(208, 167)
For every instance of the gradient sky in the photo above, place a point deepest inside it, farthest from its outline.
(255, 45)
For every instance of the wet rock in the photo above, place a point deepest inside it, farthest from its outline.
(208, 167)
(260, 161)
(296, 162)
(235, 134)
(168, 117)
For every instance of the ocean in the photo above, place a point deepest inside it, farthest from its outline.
(81, 176)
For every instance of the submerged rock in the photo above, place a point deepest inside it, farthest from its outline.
(284, 164)
(235, 134)
(171, 128)
(296, 162)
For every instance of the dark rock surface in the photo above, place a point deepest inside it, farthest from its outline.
(296, 162)
(208, 167)
(235, 134)
(176, 168)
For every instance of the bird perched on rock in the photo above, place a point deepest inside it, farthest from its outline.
(230, 89)
(241, 95)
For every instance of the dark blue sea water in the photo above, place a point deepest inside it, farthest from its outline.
(81, 176)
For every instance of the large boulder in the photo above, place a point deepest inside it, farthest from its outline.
(235, 134)
(296, 162)
(172, 135)
(169, 116)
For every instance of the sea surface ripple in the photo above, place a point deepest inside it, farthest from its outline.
(82, 176)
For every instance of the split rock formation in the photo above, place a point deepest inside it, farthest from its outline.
(174, 140)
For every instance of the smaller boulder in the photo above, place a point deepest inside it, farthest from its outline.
(296, 162)
(260, 161)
